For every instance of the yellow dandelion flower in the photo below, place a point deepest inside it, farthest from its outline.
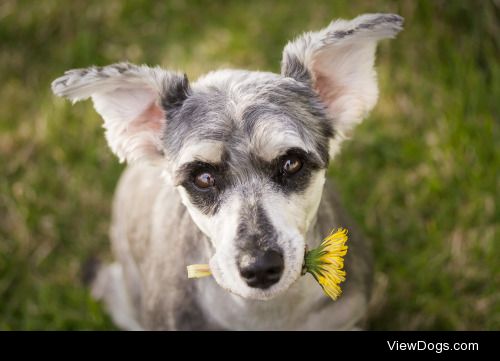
(198, 270)
(326, 262)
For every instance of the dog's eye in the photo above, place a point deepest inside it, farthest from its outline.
(204, 180)
(292, 164)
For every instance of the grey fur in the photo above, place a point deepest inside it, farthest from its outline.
(167, 300)
(252, 121)
(255, 231)
(382, 20)
(293, 62)
(207, 113)
(78, 80)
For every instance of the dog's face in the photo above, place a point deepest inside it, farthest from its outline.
(247, 151)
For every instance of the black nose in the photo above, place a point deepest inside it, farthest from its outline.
(261, 269)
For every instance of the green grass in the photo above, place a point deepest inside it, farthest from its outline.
(420, 176)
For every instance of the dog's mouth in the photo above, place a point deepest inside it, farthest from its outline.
(231, 280)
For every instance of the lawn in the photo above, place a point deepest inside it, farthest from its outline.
(420, 176)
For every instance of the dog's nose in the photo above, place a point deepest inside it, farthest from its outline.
(261, 269)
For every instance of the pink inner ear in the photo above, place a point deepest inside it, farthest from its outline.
(327, 89)
(142, 136)
(346, 88)
(323, 68)
(151, 119)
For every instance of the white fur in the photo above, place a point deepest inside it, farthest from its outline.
(270, 140)
(110, 287)
(203, 151)
(221, 229)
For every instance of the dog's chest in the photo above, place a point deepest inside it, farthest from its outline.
(288, 311)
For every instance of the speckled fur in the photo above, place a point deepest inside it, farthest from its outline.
(165, 299)
(240, 125)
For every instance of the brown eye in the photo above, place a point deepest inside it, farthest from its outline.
(204, 180)
(292, 165)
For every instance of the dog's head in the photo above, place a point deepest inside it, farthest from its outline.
(247, 151)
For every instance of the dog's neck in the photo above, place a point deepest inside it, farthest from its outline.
(285, 311)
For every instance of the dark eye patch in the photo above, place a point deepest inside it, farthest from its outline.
(208, 199)
(298, 180)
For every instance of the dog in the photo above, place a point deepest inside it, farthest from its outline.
(231, 170)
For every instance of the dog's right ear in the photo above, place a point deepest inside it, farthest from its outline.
(133, 101)
(338, 63)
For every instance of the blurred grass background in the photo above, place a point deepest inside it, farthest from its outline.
(421, 175)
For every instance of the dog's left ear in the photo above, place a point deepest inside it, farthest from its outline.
(338, 62)
(133, 101)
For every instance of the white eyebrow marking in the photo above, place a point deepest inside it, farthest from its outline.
(205, 151)
(271, 139)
